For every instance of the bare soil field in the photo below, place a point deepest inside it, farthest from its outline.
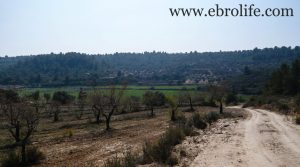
(72, 142)
(245, 137)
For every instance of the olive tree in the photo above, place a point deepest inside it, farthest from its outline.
(59, 99)
(218, 93)
(174, 104)
(185, 96)
(130, 104)
(152, 99)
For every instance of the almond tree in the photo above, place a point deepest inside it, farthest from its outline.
(9, 105)
(112, 101)
(105, 103)
(29, 121)
(82, 101)
(97, 101)
(21, 118)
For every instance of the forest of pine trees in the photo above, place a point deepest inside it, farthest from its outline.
(285, 80)
(74, 69)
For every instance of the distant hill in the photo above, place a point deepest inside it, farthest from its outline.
(140, 68)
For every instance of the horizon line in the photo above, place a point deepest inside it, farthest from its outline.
(153, 51)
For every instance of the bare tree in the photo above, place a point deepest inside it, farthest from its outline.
(113, 99)
(29, 120)
(186, 96)
(35, 100)
(82, 101)
(55, 109)
(97, 101)
(105, 103)
(9, 105)
(21, 119)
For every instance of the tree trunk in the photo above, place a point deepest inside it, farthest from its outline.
(107, 123)
(173, 115)
(152, 112)
(191, 105)
(56, 112)
(55, 116)
(81, 109)
(221, 107)
(18, 132)
(98, 118)
(37, 109)
(23, 152)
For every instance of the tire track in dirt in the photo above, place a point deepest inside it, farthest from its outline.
(264, 139)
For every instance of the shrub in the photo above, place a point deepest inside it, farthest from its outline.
(186, 125)
(231, 98)
(161, 151)
(297, 102)
(129, 160)
(188, 129)
(199, 121)
(174, 136)
(172, 160)
(253, 101)
(113, 162)
(262, 100)
(282, 107)
(68, 133)
(212, 117)
(298, 120)
(12, 159)
(180, 118)
(147, 152)
(33, 156)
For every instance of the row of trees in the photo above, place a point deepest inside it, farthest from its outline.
(104, 100)
(22, 114)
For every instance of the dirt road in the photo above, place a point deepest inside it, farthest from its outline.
(265, 139)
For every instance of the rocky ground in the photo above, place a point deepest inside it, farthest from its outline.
(263, 139)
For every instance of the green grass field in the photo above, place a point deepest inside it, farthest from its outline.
(131, 90)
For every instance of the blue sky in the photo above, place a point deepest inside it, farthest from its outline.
(108, 26)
